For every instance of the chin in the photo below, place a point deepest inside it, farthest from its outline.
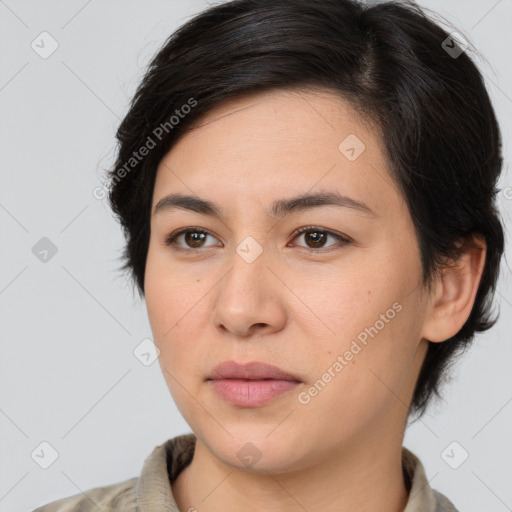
(254, 450)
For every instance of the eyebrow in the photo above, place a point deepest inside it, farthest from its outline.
(278, 209)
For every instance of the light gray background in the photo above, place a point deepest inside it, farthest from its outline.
(69, 326)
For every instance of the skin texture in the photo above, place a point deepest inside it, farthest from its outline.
(341, 451)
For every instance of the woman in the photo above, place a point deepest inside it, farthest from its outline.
(307, 192)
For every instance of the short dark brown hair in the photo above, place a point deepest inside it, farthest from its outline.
(390, 61)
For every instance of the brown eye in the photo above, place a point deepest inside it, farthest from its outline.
(316, 238)
(193, 238)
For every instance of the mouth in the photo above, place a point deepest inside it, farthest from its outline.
(252, 384)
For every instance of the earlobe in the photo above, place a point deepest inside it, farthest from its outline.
(455, 291)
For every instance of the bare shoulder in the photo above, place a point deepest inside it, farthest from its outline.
(109, 498)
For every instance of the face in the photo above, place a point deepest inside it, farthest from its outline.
(338, 306)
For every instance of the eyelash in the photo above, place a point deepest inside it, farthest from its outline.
(170, 240)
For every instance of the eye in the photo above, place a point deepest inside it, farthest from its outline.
(195, 236)
(317, 236)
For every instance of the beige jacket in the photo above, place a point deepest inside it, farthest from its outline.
(151, 491)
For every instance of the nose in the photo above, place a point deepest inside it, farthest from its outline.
(250, 299)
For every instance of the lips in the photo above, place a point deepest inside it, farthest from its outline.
(252, 384)
(253, 370)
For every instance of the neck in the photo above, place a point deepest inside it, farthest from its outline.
(362, 476)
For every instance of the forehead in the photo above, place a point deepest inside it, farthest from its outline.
(266, 146)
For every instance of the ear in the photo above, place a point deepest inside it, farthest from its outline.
(454, 292)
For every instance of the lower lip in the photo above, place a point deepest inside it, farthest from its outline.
(251, 393)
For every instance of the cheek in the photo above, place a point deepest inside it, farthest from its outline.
(176, 307)
(336, 306)
(359, 382)
(166, 294)
(372, 342)
(175, 338)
